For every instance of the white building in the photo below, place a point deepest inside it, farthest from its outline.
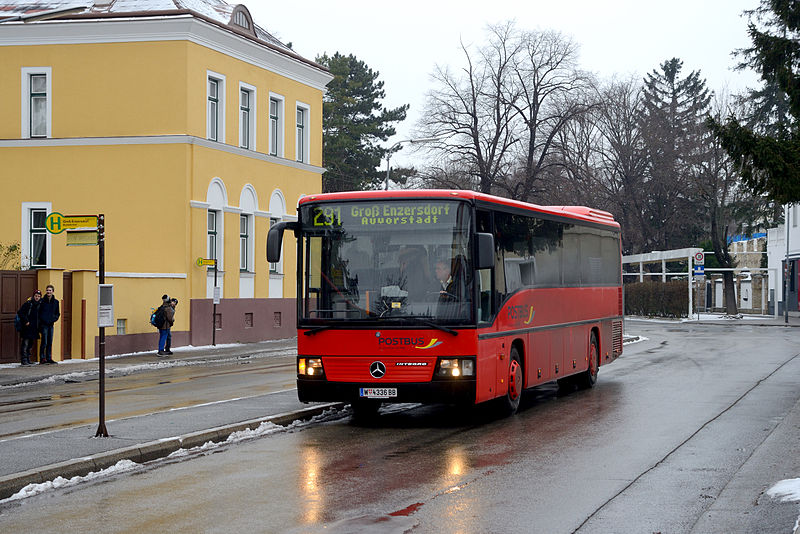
(776, 256)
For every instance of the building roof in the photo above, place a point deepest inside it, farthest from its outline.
(233, 17)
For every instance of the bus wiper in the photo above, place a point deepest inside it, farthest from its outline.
(426, 322)
(313, 331)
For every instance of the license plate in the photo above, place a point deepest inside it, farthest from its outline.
(377, 393)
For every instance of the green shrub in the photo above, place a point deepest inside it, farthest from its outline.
(657, 299)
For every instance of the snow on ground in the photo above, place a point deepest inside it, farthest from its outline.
(787, 491)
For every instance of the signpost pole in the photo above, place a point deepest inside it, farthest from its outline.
(101, 239)
(214, 308)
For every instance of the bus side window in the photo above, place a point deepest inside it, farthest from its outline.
(484, 280)
(487, 303)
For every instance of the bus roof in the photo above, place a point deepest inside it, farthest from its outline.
(572, 212)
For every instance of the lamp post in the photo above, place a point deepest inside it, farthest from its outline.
(394, 147)
(786, 270)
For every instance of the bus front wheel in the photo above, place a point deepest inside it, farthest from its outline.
(510, 401)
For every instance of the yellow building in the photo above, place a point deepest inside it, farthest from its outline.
(190, 128)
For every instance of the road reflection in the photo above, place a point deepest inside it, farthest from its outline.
(310, 487)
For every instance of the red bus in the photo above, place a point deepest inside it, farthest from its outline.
(440, 296)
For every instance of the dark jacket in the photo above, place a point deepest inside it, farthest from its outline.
(169, 316)
(29, 313)
(48, 311)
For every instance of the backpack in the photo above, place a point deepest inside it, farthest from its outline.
(157, 318)
(17, 323)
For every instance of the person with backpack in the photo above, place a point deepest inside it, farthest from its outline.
(164, 317)
(173, 302)
(49, 313)
(29, 326)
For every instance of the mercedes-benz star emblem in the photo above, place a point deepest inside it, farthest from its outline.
(377, 369)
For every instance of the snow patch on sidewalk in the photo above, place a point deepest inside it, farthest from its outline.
(786, 490)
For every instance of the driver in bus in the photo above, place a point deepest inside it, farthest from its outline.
(445, 279)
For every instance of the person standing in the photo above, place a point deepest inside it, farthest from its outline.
(29, 319)
(163, 330)
(49, 313)
(174, 303)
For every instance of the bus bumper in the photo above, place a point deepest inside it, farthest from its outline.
(437, 391)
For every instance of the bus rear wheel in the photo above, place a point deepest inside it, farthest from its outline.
(588, 378)
(511, 400)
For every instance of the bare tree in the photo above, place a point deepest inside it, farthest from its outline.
(728, 204)
(469, 112)
(623, 160)
(548, 91)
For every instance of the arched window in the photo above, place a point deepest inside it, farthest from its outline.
(217, 199)
(241, 19)
(277, 209)
(248, 203)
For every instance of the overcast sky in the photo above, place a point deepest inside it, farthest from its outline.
(404, 40)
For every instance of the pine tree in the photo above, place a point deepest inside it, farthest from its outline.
(672, 128)
(354, 121)
(768, 150)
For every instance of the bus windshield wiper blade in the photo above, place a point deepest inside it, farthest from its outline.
(423, 320)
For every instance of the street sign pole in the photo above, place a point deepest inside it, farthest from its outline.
(101, 239)
(214, 309)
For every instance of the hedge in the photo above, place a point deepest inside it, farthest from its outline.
(657, 299)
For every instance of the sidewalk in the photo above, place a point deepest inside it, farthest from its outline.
(75, 452)
(720, 318)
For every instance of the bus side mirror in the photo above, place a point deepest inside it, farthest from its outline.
(275, 239)
(485, 256)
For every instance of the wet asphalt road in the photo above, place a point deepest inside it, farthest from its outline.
(684, 433)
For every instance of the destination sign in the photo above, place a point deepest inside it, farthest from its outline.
(382, 214)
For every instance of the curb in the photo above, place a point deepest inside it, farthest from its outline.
(152, 450)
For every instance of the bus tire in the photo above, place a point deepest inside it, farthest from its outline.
(515, 377)
(588, 378)
(365, 409)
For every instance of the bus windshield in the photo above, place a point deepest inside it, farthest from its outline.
(405, 261)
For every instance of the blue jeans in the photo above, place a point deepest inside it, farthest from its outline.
(162, 339)
(46, 345)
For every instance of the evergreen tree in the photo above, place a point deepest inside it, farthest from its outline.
(354, 121)
(768, 150)
(671, 123)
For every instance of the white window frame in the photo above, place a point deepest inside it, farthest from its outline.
(26, 73)
(250, 121)
(217, 216)
(25, 234)
(220, 115)
(276, 267)
(246, 243)
(302, 138)
(277, 210)
(279, 141)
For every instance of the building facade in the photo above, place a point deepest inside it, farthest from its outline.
(191, 129)
(777, 255)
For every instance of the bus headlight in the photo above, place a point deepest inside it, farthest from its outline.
(309, 367)
(455, 367)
